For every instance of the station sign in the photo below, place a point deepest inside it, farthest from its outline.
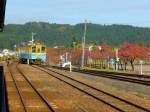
(117, 59)
(112, 61)
(141, 62)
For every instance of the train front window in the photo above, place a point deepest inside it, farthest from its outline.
(43, 49)
(33, 49)
(38, 50)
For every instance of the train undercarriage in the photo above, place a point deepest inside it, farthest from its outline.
(30, 61)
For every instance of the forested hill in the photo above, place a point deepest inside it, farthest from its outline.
(64, 34)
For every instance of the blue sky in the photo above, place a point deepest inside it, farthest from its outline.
(132, 12)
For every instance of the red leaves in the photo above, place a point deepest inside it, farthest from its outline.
(134, 51)
(127, 53)
(53, 54)
(103, 53)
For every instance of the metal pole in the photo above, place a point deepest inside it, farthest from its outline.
(33, 34)
(116, 59)
(108, 62)
(141, 69)
(70, 67)
(83, 44)
(28, 61)
(66, 60)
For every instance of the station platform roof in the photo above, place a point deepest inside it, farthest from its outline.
(2, 13)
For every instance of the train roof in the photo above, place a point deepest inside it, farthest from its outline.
(2, 13)
(37, 43)
(32, 44)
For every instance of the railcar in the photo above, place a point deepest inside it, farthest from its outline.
(32, 54)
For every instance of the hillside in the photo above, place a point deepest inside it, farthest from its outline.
(63, 34)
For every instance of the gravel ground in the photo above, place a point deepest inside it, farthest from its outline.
(146, 68)
(136, 93)
(14, 102)
(121, 85)
(31, 99)
(126, 86)
(62, 96)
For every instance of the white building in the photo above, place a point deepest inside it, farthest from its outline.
(6, 52)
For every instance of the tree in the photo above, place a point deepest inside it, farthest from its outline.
(132, 52)
(62, 34)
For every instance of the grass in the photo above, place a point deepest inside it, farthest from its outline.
(3, 58)
(141, 95)
(114, 71)
(109, 70)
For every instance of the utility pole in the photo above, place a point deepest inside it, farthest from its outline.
(117, 59)
(141, 69)
(83, 44)
(33, 34)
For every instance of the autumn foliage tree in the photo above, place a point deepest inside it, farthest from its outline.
(98, 53)
(131, 52)
(76, 56)
(53, 55)
(99, 56)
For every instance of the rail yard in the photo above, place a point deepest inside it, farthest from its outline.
(36, 80)
(99, 65)
(40, 79)
(45, 89)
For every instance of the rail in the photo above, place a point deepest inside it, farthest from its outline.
(35, 89)
(98, 90)
(132, 78)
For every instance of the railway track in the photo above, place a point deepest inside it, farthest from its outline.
(127, 78)
(138, 79)
(37, 102)
(113, 101)
(122, 74)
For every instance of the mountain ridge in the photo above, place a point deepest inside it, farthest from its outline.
(64, 34)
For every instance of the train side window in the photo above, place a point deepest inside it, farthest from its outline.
(43, 49)
(33, 49)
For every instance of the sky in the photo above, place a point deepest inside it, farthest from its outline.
(128, 12)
